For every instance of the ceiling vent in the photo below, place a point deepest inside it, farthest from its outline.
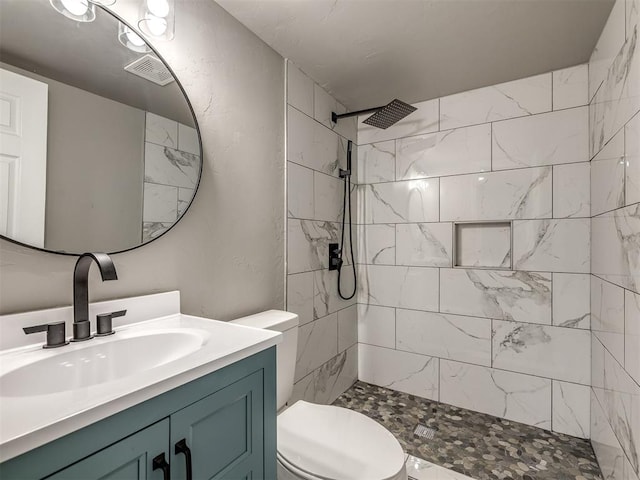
(152, 69)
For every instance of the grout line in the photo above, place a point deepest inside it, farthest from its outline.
(614, 358)
(467, 174)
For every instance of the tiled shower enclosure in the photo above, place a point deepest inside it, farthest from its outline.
(496, 244)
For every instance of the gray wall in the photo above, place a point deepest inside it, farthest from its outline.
(95, 172)
(226, 255)
(94, 153)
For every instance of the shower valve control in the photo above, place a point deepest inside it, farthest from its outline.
(335, 262)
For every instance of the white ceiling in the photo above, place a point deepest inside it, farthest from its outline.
(367, 52)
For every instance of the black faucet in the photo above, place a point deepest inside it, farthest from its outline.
(81, 324)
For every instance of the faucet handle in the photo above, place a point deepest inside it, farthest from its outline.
(55, 333)
(105, 324)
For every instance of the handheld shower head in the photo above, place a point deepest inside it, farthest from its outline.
(384, 116)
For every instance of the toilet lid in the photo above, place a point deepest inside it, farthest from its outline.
(335, 443)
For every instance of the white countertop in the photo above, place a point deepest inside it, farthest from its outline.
(27, 422)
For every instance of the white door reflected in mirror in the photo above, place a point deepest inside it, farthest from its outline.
(23, 157)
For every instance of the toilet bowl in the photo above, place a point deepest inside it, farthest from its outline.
(323, 442)
(333, 443)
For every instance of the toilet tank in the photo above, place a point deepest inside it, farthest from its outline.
(287, 323)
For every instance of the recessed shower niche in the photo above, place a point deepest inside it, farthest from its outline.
(482, 245)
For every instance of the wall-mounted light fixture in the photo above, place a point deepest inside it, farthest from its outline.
(78, 10)
(131, 39)
(157, 18)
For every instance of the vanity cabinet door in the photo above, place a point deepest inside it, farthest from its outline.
(224, 434)
(130, 458)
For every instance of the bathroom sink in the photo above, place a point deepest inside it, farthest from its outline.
(46, 394)
(98, 361)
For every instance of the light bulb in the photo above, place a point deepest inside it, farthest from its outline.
(76, 7)
(157, 26)
(160, 8)
(134, 38)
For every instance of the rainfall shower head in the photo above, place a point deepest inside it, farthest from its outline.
(384, 116)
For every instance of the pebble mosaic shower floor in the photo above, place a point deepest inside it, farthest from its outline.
(480, 446)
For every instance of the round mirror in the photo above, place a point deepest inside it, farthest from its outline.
(99, 147)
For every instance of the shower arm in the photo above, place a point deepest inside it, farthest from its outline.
(335, 117)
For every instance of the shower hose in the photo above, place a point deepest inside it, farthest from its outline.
(345, 198)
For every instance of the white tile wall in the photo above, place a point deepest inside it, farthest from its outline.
(571, 409)
(300, 199)
(160, 166)
(317, 344)
(609, 44)
(377, 244)
(632, 334)
(614, 84)
(160, 203)
(571, 87)
(188, 139)
(425, 244)
(608, 177)
(455, 337)
(376, 162)
(308, 244)
(299, 90)
(514, 155)
(329, 381)
(161, 131)
(571, 304)
(401, 287)
(300, 296)
(451, 152)
(505, 295)
(327, 362)
(347, 327)
(522, 193)
(377, 325)
(552, 245)
(571, 197)
(542, 350)
(402, 371)
(607, 306)
(185, 195)
(618, 97)
(326, 299)
(615, 249)
(402, 202)
(517, 397)
(328, 193)
(313, 145)
(507, 100)
(632, 160)
(546, 139)
(171, 170)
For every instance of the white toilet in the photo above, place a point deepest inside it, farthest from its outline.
(324, 442)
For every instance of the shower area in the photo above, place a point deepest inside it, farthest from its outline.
(497, 251)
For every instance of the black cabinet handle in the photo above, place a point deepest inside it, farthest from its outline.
(181, 447)
(159, 462)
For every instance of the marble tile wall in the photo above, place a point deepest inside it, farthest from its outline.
(614, 111)
(508, 333)
(327, 357)
(171, 168)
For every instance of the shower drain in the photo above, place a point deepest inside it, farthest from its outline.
(423, 431)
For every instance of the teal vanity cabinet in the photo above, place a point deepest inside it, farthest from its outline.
(220, 426)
